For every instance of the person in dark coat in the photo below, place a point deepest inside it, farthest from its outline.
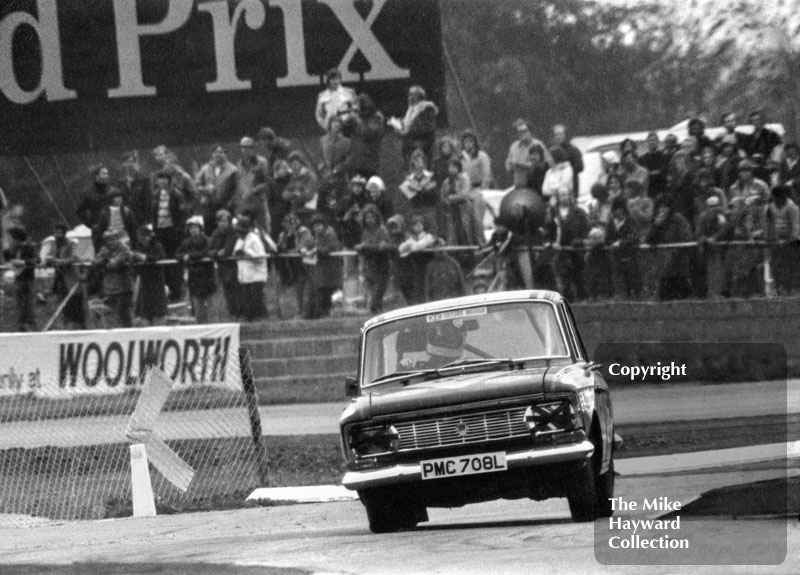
(670, 226)
(220, 247)
(167, 216)
(118, 216)
(151, 295)
(573, 228)
(622, 237)
(324, 269)
(92, 205)
(136, 189)
(418, 127)
(194, 253)
(374, 248)
(116, 260)
(21, 254)
(365, 128)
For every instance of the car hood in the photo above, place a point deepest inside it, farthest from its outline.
(458, 389)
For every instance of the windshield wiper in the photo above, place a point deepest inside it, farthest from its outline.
(483, 361)
(401, 374)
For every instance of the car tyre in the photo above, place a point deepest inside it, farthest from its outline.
(592, 493)
(387, 515)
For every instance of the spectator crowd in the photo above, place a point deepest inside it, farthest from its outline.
(158, 237)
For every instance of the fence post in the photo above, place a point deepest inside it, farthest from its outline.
(249, 385)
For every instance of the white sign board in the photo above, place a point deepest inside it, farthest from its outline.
(62, 363)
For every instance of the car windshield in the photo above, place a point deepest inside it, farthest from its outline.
(512, 330)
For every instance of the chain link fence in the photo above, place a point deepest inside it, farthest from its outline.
(65, 457)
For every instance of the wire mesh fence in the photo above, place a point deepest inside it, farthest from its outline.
(66, 456)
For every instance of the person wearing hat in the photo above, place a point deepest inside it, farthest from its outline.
(252, 186)
(220, 247)
(115, 259)
(251, 268)
(334, 99)
(63, 258)
(323, 269)
(377, 195)
(202, 284)
(21, 254)
(151, 294)
(747, 184)
(118, 217)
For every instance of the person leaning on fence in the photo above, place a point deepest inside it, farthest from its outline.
(291, 270)
(402, 268)
(64, 259)
(150, 287)
(597, 268)
(21, 255)
(623, 240)
(326, 274)
(251, 269)
(783, 226)
(202, 284)
(573, 227)
(116, 261)
(220, 247)
(670, 226)
(374, 248)
(419, 188)
(167, 216)
(711, 228)
(413, 248)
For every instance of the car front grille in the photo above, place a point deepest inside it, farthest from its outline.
(463, 429)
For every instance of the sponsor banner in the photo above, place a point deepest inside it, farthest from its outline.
(105, 74)
(52, 364)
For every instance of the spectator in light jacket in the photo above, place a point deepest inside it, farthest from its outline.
(559, 178)
(251, 269)
(477, 164)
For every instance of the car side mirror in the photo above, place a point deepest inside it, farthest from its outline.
(351, 386)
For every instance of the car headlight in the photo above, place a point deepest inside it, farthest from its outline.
(551, 417)
(366, 441)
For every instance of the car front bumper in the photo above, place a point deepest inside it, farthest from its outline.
(408, 473)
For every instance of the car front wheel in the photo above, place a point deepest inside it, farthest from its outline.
(590, 497)
(387, 514)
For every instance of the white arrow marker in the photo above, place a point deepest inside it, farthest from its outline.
(140, 430)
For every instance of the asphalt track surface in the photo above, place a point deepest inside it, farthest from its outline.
(632, 404)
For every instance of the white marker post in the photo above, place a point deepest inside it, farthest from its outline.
(144, 504)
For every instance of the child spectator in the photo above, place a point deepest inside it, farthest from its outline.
(322, 267)
(64, 258)
(291, 269)
(251, 268)
(374, 249)
(21, 254)
(220, 247)
(623, 239)
(151, 297)
(116, 261)
(413, 248)
(202, 285)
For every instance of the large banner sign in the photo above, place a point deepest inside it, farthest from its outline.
(105, 74)
(52, 364)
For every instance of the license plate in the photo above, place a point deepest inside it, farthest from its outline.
(466, 465)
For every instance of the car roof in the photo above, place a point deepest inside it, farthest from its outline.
(494, 297)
